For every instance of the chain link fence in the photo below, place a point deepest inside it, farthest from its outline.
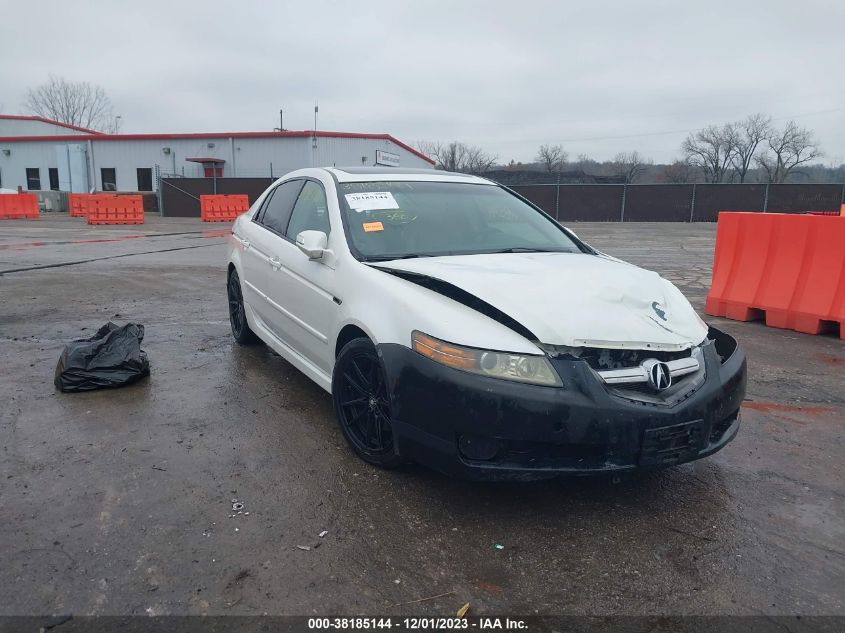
(677, 203)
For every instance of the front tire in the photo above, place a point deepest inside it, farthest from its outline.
(237, 314)
(362, 404)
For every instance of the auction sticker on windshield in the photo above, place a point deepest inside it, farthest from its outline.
(371, 201)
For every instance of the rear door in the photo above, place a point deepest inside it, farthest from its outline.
(261, 237)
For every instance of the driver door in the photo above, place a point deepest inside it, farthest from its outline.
(302, 290)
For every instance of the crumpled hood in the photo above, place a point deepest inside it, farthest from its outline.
(570, 299)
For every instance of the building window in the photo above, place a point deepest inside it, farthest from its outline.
(33, 178)
(109, 178)
(145, 179)
(53, 172)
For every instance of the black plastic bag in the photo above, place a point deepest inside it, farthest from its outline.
(111, 358)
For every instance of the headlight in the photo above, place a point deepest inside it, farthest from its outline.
(535, 370)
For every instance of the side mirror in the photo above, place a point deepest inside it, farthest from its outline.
(312, 243)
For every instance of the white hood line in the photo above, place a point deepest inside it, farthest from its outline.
(569, 299)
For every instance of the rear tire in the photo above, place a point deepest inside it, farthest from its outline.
(237, 314)
(362, 404)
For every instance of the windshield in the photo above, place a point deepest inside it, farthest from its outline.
(390, 220)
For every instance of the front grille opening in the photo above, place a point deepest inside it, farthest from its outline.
(641, 393)
(526, 454)
(682, 387)
(600, 358)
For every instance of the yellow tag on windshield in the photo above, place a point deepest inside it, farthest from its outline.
(369, 227)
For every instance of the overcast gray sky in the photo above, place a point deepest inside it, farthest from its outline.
(599, 77)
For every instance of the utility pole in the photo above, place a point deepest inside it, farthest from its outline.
(314, 137)
(281, 127)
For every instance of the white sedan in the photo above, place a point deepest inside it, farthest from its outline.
(457, 325)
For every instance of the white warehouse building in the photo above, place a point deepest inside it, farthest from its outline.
(40, 154)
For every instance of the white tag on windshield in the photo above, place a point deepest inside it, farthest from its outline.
(371, 201)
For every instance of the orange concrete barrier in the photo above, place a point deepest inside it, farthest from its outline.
(220, 208)
(109, 209)
(784, 268)
(18, 206)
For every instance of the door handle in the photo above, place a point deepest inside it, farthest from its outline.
(275, 263)
(245, 243)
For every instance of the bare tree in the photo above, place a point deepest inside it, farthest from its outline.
(745, 138)
(585, 163)
(785, 150)
(710, 150)
(75, 103)
(679, 172)
(628, 166)
(551, 157)
(457, 156)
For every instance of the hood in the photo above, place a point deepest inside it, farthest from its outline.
(570, 299)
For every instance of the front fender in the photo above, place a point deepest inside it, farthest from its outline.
(389, 308)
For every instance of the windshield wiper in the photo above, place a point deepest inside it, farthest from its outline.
(387, 258)
(525, 249)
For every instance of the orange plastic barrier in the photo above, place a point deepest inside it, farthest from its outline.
(109, 209)
(78, 204)
(220, 208)
(18, 206)
(788, 269)
(842, 211)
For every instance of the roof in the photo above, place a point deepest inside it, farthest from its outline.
(375, 174)
(383, 170)
(41, 119)
(97, 136)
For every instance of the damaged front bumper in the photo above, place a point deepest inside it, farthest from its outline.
(486, 428)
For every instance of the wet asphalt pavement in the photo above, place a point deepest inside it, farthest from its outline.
(119, 501)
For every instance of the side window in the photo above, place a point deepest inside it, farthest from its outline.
(311, 213)
(276, 212)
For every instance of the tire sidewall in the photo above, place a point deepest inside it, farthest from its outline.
(246, 335)
(356, 346)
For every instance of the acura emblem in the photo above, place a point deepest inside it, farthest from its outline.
(658, 374)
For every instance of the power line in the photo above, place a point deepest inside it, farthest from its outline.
(685, 131)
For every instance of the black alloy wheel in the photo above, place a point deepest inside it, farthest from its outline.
(362, 404)
(237, 315)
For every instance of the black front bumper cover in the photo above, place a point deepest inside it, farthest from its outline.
(485, 428)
